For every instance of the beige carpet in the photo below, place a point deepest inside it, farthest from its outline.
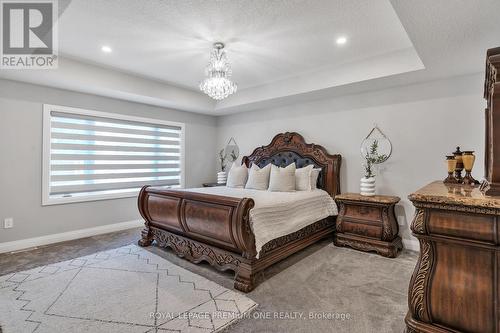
(126, 289)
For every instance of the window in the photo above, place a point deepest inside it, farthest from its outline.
(89, 155)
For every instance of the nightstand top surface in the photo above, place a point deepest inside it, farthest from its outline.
(385, 199)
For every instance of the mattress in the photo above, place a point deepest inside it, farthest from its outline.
(277, 214)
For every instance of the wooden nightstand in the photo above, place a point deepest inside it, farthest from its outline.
(213, 184)
(368, 223)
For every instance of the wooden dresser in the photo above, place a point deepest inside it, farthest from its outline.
(368, 223)
(454, 287)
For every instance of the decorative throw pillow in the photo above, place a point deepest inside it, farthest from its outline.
(282, 179)
(258, 179)
(314, 178)
(237, 176)
(303, 178)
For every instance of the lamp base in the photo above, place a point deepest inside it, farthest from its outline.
(468, 179)
(450, 179)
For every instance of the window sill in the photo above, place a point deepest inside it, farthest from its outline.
(61, 200)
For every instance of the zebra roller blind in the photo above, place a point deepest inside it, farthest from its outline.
(100, 154)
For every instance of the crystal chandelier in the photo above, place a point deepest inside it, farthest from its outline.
(217, 84)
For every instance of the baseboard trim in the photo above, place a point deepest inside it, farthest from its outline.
(27, 243)
(411, 244)
(23, 244)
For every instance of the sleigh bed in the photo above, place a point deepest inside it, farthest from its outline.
(217, 229)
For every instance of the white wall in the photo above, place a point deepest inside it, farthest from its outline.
(424, 122)
(21, 160)
(103, 81)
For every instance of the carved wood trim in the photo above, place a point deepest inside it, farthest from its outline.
(244, 235)
(416, 294)
(146, 238)
(302, 233)
(466, 209)
(410, 330)
(492, 138)
(418, 223)
(294, 142)
(387, 225)
(385, 249)
(363, 246)
(492, 71)
(195, 251)
(340, 217)
(245, 269)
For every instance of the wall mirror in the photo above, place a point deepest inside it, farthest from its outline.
(376, 144)
(231, 151)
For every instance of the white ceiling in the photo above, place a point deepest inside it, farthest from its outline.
(266, 40)
(281, 50)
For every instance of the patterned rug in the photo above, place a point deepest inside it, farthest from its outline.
(122, 290)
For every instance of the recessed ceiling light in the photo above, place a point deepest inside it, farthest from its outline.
(341, 40)
(106, 49)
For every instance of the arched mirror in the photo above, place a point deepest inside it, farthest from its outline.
(376, 146)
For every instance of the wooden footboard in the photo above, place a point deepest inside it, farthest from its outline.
(215, 220)
(201, 227)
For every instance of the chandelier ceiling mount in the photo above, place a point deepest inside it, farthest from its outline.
(217, 84)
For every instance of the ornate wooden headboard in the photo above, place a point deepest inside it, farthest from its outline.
(290, 147)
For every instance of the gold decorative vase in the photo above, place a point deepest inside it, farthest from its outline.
(451, 163)
(468, 159)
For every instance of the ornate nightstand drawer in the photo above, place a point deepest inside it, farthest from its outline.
(363, 212)
(364, 230)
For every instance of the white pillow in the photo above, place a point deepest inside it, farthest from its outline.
(303, 178)
(282, 179)
(314, 178)
(258, 179)
(237, 176)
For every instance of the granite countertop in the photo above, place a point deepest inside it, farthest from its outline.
(454, 194)
(362, 198)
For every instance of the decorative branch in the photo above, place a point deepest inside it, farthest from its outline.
(373, 157)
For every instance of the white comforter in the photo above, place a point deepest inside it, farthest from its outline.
(278, 214)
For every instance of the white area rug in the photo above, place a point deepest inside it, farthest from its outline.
(123, 290)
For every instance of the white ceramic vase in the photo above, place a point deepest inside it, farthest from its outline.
(367, 186)
(221, 177)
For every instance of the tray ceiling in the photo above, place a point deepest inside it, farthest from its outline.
(266, 40)
(281, 51)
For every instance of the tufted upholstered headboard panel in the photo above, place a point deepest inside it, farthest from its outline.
(290, 147)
